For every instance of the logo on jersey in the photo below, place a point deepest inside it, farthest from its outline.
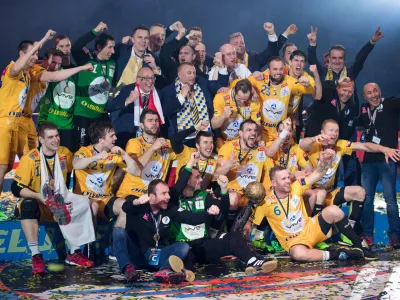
(22, 97)
(98, 91)
(297, 222)
(273, 110)
(232, 129)
(61, 98)
(96, 182)
(153, 170)
(247, 174)
(166, 220)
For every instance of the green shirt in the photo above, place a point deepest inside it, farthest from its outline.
(57, 105)
(183, 232)
(93, 88)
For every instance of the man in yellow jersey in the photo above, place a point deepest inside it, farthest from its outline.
(297, 232)
(232, 108)
(328, 139)
(242, 161)
(41, 75)
(276, 91)
(95, 166)
(154, 154)
(33, 207)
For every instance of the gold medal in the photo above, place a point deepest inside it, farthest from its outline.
(156, 237)
(287, 222)
(67, 90)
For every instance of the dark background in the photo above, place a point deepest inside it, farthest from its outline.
(347, 22)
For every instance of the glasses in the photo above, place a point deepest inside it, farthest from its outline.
(147, 78)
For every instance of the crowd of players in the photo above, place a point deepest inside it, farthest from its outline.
(164, 138)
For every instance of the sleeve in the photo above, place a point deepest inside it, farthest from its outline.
(131, 209)
(119, 161)
(281, 41)
(328, 91)
(255, 112)
(347, 147)
(313, 60)
(219, 104)
(133, 148)
(225, 151)
(118, 102)
(191, 218)
(297, 88)
(361, 57)
(312, 80)
(302, 158)
(6, 74)
(223, 204)
(171, 105)
(25, 171)
(79, 55)
(81, 153)
(183, 178)
(177, 140)
(68, 155)
(260, 214)
(35, 74)
(172, 154)
(268, 165)
(300, 186)
(184, 155)
(272, 49)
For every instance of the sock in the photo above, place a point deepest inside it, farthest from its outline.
(251, 260)
(73, 248)
(344, 227)
(34, 247)
(325, 255)
(317, 209)
(355, 210)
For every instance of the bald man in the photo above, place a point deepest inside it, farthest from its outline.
(130, 102)
(226, 68)
(379, 118)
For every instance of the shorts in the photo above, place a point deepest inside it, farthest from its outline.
(68, 138)
(27, 134)
(45, 214)
(82, 125)
(106, 207)
(311, 235)
(334, 196)
(10, 146)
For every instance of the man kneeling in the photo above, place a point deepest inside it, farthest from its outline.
(295, 230)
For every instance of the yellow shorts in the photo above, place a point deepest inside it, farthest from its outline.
(27, 134)
(310, 236)
(45, 213)
(9, 146)
(330, 197)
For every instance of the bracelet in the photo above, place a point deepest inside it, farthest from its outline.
(283, 134)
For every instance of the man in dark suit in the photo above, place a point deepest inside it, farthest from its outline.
(187, 101)
(130, 101)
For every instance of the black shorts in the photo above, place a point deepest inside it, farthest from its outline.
(339, 197)
(108, 209)
(81, 128)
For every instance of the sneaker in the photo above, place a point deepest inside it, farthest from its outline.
(130, 273)
(350, 254)
(368, 254)
(111, 254)
(321, 246)
(169, 276)
(261, 265)
(275, 244)
(344, 240)
(394, 242)
(369, 240)
(38, 266)
(78, 259)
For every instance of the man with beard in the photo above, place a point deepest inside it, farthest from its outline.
(379, 118)
(131, 100)
(200, 60)
(242, 161)
(329, 139)
(297, 232)
(154, 154)
(250, 59)
(232, 108)
(187, 102)
(191, 197)
(50, 66)
(93, 88)
(276, 91)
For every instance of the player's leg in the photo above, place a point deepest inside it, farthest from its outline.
(356, 196)
(320, 196)
(117, 211)
(8, 151)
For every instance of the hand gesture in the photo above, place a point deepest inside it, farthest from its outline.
(254, 97)
(218, 60)
(326, 156)
(304, 81)
(322, 137)
(141, 200)
(133, 96)
(185, 90)
(117, 150)
(101, 155)
(101, 27)
(312, 36)
(149, 59)
(223, 182)
(313, 69)
(344, 80)
(269, 27)
(292, 29)
(50, 34)
(223, 90)
(261, 144)
(232, 162)
(213, 210)
(227, 111)
(176, 26)
(87, 67)
(287, 124)
(393, 154)
(201, 126)
(159, 143)
(181, 33)
(377, 35)
(194, 157)
(258, 75)
(126, 39)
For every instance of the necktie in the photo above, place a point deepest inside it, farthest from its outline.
(145, 100)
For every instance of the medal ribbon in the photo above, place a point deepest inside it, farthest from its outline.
(157, 226)
(280, 203)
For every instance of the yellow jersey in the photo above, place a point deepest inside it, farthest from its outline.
(206, 167)
(230, 127)
(156, 168)
(276, 211)
(13, 95)
(27, 173)
(275, 102)
(252, 165)
(342, 147)
(295, 100)
(294, 159)
(95, 180)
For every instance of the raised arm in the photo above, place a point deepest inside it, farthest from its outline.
(393, 154)
(312, 50)
(81, 162)
(307, 143)
(146, 156)
(274, 147)
(317, 95)
(61, 75)
(323, 166)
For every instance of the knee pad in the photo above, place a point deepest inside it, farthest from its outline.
(29, 209)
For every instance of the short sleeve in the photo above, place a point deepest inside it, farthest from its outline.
(133, 148)
(219, 105)
(25, 170)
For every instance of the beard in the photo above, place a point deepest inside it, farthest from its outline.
(150, 131)
(277, 81)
